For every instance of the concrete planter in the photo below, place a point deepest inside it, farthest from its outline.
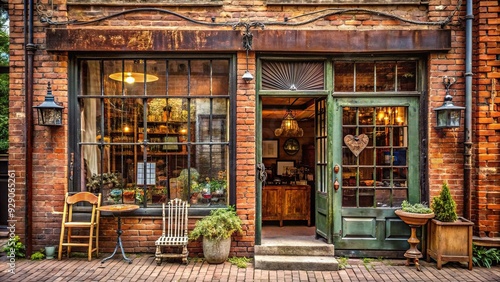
(49, 252)
(216, 251)
(450, 241)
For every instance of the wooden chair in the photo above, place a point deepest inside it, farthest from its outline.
(175, 232)
(88, 231)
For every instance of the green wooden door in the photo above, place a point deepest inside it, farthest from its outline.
(323, 199)
(376, 146)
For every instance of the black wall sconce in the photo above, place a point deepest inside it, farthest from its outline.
(49, 112)
(448, 115)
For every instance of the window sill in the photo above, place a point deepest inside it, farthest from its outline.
(153, 212)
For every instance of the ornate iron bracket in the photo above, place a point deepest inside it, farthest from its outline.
(247, 35)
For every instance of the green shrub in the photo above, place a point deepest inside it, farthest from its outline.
(17, 246)
(37, 256)
(444, 207)
(240, 262)
(482, 256)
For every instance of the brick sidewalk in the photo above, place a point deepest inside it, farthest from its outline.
(144, 268)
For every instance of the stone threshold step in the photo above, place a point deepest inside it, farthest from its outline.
(297, 250)
(314, 263)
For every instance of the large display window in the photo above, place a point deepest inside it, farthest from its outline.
(151, 130)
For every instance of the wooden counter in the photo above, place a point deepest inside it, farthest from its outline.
(286, 202)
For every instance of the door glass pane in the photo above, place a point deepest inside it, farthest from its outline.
(321, 146)
(374, 163)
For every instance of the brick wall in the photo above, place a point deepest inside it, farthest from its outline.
(486, 193)
(445, 149)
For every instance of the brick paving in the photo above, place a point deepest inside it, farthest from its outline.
(144, 268)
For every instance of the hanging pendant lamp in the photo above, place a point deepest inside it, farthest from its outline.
(132, 77)
(289, 127)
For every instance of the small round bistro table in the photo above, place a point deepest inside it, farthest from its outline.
(117, 210)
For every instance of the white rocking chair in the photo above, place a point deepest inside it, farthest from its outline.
(175, 231)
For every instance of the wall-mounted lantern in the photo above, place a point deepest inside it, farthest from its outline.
(448, 115)
(49, 112)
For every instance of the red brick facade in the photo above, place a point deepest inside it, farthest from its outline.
(486, 195)
(445, 148)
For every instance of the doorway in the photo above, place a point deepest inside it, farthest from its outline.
(288, 154)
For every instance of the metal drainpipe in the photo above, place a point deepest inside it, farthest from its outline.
(30, 48)
(468, 112)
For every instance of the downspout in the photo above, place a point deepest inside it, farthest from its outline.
(29, 53)
(468, 112)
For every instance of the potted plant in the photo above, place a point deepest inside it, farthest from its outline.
(196, 189)
(450, 236)
(415, 215)
(189, 181)
(159, 194)
(129, 195)
(104, 184)
(216, 230)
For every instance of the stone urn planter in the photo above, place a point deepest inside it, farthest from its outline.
(216, 251)
(414, 220)
(216, 230)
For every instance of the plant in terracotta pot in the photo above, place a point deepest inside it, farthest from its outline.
(415, 215)
(450, 236)
(216, 230)
(129, 195)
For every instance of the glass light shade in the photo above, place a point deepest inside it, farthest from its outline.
(132, 77)
(448, 115)
(289, 127)
(49, 112)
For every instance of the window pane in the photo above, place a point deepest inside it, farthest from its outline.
(344, 76)
(407, 76)
(365, 73)
(385, 76)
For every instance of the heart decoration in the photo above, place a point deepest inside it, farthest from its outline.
(356, 143)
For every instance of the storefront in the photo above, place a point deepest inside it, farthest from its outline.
(196, 109)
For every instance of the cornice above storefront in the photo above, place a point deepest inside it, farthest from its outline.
(145, 3)
(345, 2)
(327, 41)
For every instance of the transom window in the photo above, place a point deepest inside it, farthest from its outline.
(151, 130)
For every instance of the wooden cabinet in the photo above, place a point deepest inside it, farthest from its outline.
(286, 202)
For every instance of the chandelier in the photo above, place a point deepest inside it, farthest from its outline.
(289, 127)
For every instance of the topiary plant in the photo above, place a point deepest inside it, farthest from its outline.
(444, 207)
